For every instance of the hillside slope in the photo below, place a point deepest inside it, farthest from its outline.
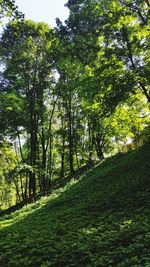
(101, 220)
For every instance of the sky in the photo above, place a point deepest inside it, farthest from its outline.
(43, 10)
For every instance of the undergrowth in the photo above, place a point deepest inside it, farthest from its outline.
(101, 220)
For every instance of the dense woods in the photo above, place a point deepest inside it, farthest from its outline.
(73, 95)
(75, 136)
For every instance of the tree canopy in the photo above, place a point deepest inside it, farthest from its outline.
(72, 95)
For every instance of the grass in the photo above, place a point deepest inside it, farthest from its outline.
(102, 220)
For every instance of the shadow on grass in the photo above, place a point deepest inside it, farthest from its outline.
(100, 221)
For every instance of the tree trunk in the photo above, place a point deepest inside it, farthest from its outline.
(90, 146)
(62, 159)
(43, 179)
(144, 91)
(70, 137)
(26, 186)
(33, 147)
(63, 150)
(99, 147)
(100, 153)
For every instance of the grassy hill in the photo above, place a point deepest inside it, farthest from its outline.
(103, 219)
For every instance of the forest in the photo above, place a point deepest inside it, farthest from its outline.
(70, 96)
(75, 136)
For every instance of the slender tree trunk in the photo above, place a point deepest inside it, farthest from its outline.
(70, 137)
(43, 163)
(63, 150)
(20, 147)
(144, 91)
(17, 191)
(50, 152)
(39, 166)
(32, 176)
(76, 154)
(47, 157)
(90, 147)
(33, 147)
(99, 147)
(75, 144)
(62, 171)
(22, 189)
(26, 186)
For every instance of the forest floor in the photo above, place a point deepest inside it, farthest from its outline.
(100, 220)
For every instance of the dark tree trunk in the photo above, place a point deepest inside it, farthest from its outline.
(26, 186)
(47, 157)
(75, 145)
(43, 179)
(62, 171)
(22, 189)
(17, 191)
(50, 153)
(144, 91)
(33, 147)
(70, 137)
(99, 147)
(90, 146)
(100, 153)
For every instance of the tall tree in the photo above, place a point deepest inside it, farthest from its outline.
(107, 33)
(27, 55)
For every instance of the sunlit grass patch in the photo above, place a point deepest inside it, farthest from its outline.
(99, 221)
(29, 209)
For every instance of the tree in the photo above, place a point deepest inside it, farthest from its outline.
(28, 57)
(107, 33)
(9, 9)
(73, 96)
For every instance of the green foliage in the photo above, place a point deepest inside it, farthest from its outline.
(28, 88)
(74, 95)
(102, 220)
(111, 38)
(9, 9)
(8, 162)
